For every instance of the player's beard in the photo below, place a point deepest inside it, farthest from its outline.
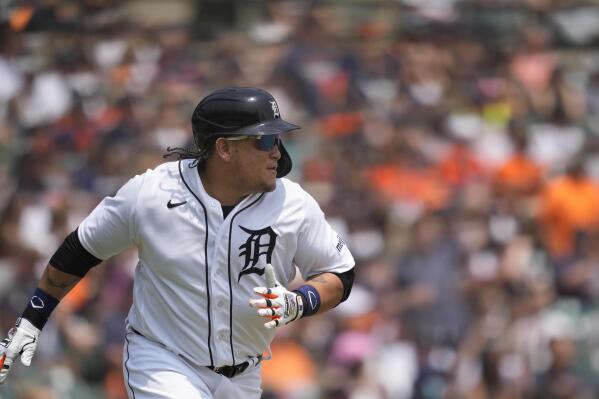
(267, 182)
(267, 186)
(262, 185)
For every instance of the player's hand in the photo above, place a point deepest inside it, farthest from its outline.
(277, 304)
(21, 341)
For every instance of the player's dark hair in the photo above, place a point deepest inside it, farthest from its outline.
(199, 155)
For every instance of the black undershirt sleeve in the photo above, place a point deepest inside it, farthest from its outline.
(72, 258)
(347, 278)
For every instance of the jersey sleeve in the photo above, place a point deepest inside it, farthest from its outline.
(320, 249)
(110, 227)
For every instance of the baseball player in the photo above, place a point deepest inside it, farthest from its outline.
(219, 233)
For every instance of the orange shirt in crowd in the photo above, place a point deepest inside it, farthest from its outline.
(20, 17)
(341, 124)
(519, 175)
(80, 295)
(568, 206)
(460, 166)
(397, 183)
(290, 368)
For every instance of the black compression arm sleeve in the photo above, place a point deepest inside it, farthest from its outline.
(72, 258)
(347, 278)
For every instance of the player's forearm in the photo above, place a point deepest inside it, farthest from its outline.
(52, 287)
(57, 283)
(68, 265)
(330, 288)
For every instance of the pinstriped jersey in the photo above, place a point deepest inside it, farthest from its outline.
(197, 270)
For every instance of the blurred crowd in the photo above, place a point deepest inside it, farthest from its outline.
(454, 144)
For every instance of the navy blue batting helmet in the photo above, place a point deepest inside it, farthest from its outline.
(235, 111)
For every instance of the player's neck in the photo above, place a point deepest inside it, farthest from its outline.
(221, 187)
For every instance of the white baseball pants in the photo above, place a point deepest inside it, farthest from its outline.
(153, 372)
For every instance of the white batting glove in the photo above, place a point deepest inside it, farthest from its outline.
(22, 340)
(277, 304)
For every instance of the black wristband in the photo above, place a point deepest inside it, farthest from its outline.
(40, 306)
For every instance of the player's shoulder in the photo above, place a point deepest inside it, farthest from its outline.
(159, 175)
(290, 187)
(298, 201)
(163, 170)
(171, 166)
(294, 191)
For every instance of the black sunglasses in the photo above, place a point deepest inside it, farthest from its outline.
(263, 143)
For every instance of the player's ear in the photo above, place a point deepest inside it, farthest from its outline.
(223, 149)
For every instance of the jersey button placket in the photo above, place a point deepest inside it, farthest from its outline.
(215, 283)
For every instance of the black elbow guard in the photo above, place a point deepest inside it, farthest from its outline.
(347, 278)
(72, 258)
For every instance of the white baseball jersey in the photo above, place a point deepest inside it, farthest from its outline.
(196, 270)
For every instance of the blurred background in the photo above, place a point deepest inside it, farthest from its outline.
(453, 143)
